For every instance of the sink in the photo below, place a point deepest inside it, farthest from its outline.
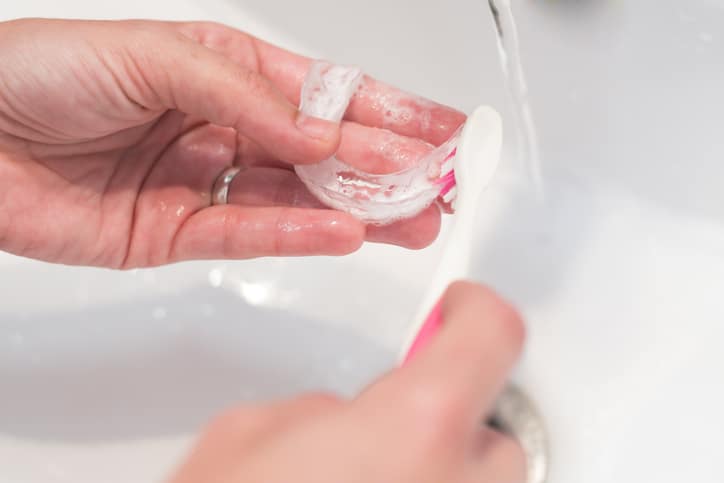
(617, 265)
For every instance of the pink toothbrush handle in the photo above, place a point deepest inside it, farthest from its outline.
(427, 331)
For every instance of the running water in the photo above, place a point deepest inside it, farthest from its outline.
(509, 50)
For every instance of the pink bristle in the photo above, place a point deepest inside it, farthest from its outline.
(452, 153)
(446, 162)
(448, 182)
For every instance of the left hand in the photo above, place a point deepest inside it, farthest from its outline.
(112, 134)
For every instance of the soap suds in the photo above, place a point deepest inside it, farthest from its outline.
(401, 153)
(373, 198)
(396, 108)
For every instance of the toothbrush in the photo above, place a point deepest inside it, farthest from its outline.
(468, 171)
(463, 166)
(474, 163)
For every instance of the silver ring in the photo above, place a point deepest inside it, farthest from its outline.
(220, 190)
(516, 415)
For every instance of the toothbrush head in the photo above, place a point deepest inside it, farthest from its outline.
(471, 164)
(447, 178)
(381, 199)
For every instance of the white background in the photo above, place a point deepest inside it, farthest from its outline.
(619, 269)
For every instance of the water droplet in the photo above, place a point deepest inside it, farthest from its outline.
(289, 227)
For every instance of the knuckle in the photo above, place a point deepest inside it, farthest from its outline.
(211, 26)
(436, 414)
(213, 35)
(254, 86)
(253, 82)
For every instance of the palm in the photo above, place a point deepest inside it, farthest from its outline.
(98, 171)
(120, 207)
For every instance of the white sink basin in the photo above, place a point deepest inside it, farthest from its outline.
(105, 376)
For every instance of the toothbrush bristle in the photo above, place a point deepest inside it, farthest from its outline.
(448, 182)
(447, 163)
(447, 177)
(451, 155)
(450, 195)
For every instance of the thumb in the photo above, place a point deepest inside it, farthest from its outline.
(465, 365)
(196, 80)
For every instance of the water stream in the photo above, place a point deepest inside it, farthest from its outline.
(517, 86)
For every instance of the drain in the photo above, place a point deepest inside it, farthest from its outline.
(516, 415)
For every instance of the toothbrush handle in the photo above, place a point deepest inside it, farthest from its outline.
(453, 265)
(429, 328)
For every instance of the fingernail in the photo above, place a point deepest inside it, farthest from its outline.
(427, 331)
(316, 128)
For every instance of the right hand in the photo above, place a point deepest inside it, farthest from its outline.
(421, 423)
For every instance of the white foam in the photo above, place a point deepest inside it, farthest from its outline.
(373, 198)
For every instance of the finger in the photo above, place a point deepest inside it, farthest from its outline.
(376, 104)
(414, 234)
(496, 458)
(380, 105)
(267, 187)
(185, 75)
(379, 151)
(460, 372)
(373, 150)
(236, 232)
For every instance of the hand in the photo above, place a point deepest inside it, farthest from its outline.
(421, 423)
(112, 134)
